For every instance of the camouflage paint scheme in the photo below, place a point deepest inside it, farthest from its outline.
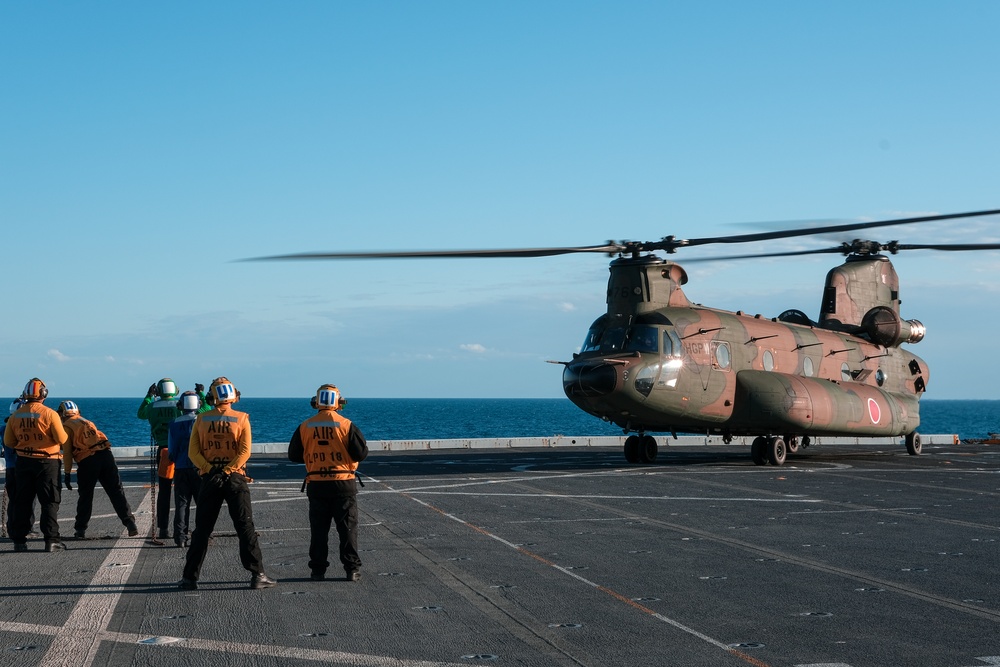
(658, 363)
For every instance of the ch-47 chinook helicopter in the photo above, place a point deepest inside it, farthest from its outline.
(656, 362)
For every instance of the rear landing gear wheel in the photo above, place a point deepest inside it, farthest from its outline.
(913, 445)
(632, 449)
(758, 450)
(776, 451)
(647, 449)
(792, 443)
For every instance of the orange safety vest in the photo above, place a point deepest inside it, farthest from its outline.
(324, 447)
(36, 432)
(84, 437)
(216, 439)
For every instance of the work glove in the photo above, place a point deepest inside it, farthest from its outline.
(151, 391)
(68, 486)
(216, 477)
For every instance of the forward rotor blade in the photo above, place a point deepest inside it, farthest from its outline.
(668, 244)
(829, 229)
(609, 248)
(790, 253)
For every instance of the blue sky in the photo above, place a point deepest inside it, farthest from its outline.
(144, 147)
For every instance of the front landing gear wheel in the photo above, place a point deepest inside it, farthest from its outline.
(792, 443)
(632, 449)
(776, 451)
(647, 449)
(758, 450)
(913, 445)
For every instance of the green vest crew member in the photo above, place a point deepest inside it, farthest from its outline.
(331, 446)
(219, 448)
(159, 408)
(37, 433)
(89, 448)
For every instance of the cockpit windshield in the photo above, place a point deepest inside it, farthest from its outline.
(642, 338)
(637, 338)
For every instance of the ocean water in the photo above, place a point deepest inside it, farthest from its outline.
(274, 419)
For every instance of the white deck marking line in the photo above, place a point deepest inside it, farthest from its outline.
(237, 648)
(614, 594)
(76, 643)
(597, 496)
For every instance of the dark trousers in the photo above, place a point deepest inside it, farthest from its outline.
(187, 484)
(99, 467)
(10, 486)
(337, 503)
(163, 505)
(236, 494)
(36, 478)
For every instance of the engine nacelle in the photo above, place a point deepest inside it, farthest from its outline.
(885, 327)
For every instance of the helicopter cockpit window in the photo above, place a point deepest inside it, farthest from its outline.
(593, 340)
(672, 346)
(604, 340)
(642, 338)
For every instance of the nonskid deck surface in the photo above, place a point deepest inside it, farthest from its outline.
(862, 556)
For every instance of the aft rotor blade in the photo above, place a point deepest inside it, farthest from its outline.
(670, 244)
(947, 246)
(867, 247)
(610, 248)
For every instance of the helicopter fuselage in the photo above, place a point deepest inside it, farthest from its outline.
(657, 363)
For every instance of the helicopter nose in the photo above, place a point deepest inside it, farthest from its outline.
(589, 379)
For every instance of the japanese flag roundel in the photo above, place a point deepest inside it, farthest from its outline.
(874, 411)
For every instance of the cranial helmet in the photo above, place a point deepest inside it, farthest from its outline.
(67, 408)
(15, 405)
(189, 402)
(35, 390)
(328, 396)
(166, 388)
(223, 391)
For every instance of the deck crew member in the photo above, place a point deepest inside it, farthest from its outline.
(219, 448)
(159, 408)
(187, 482)
(9, 478)
(89, 448)
(37, 433)
(331, 446)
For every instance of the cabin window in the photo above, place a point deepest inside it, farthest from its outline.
(880, 377)
(807, 367)
(768, 360)
(722, 357)
(845, 372)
